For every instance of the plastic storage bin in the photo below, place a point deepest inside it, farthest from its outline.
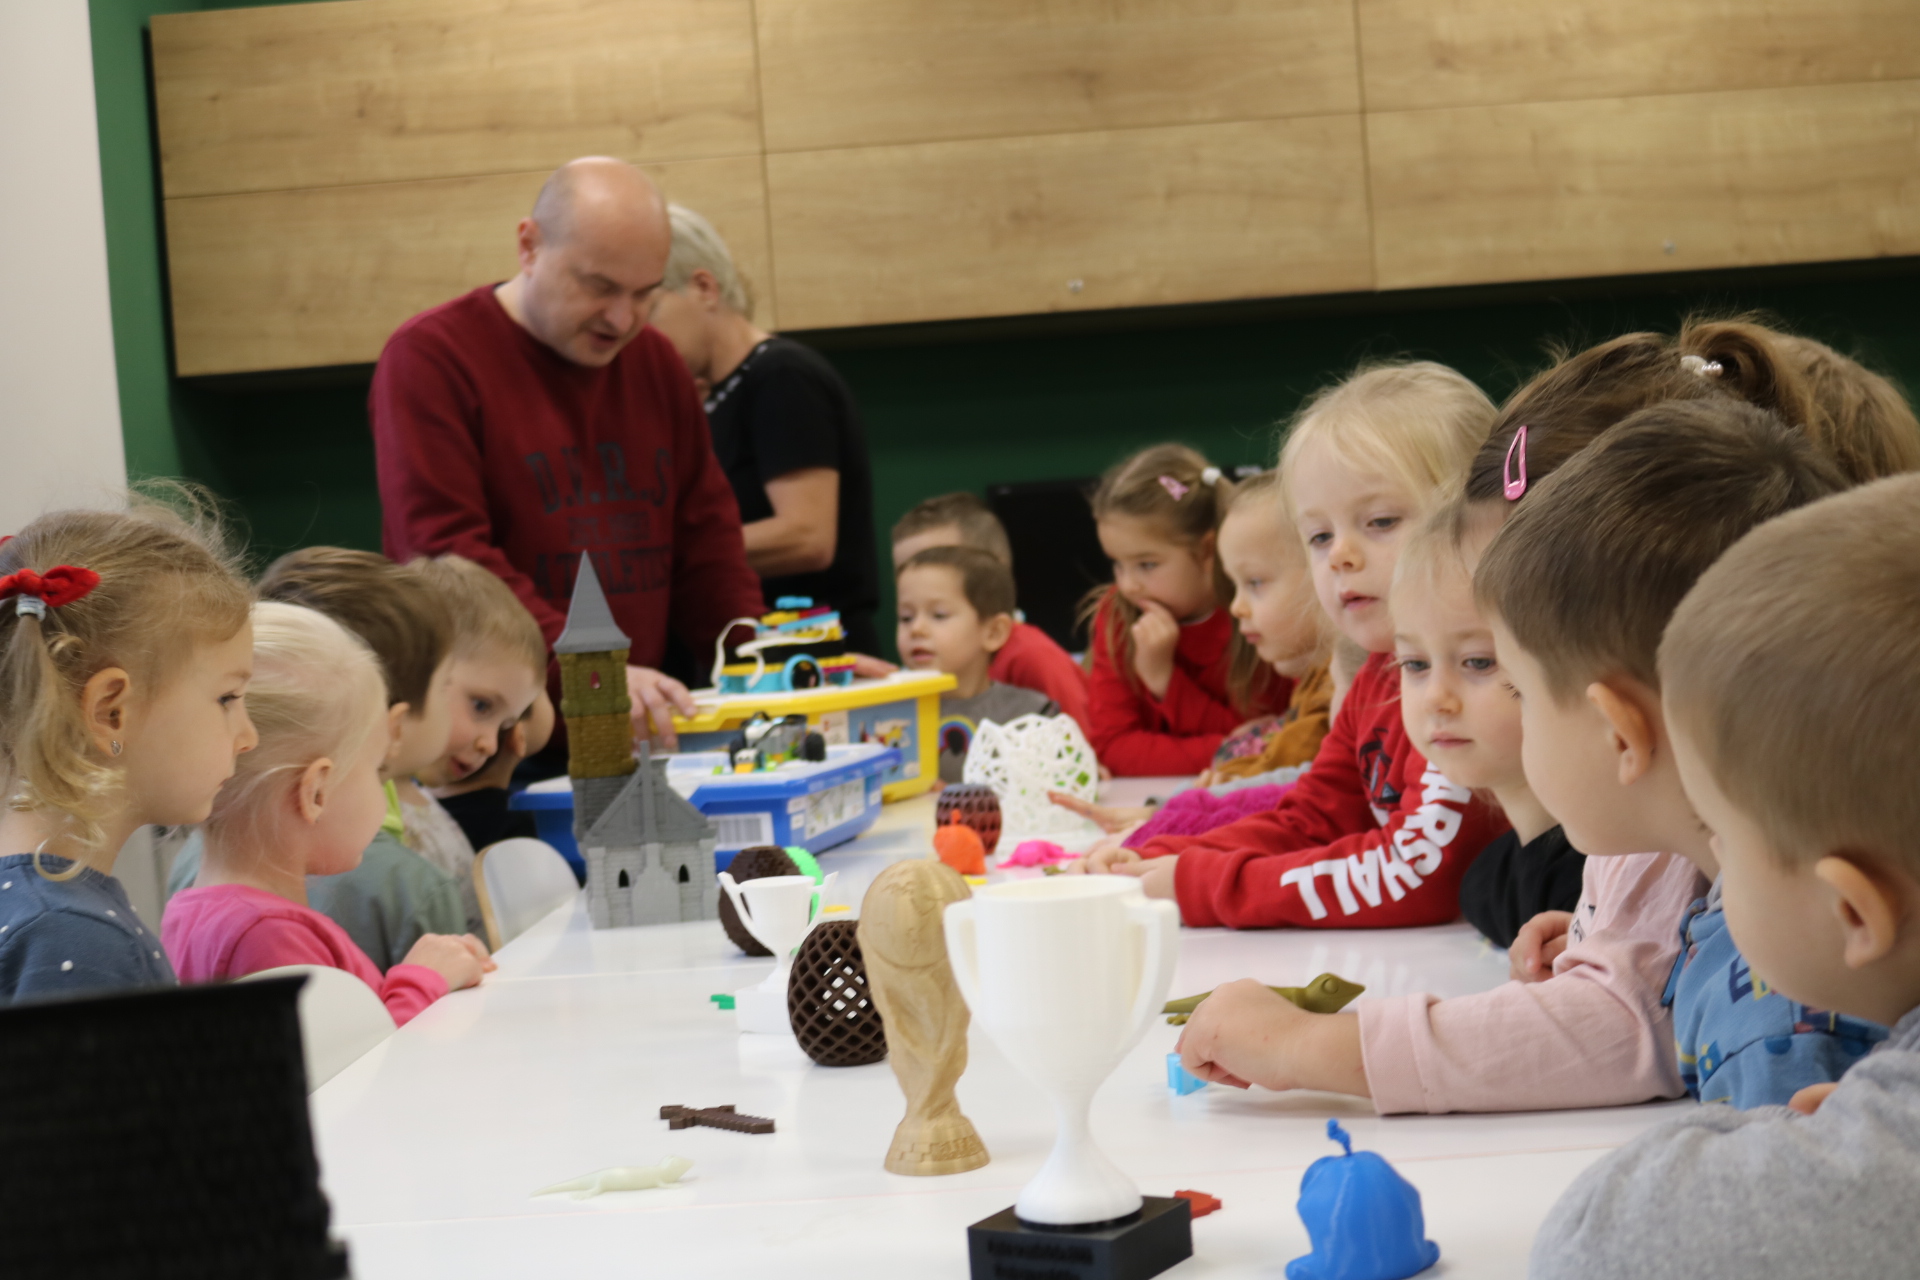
(815, 806)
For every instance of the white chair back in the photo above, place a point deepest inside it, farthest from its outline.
(519, 882)
(341, 1018)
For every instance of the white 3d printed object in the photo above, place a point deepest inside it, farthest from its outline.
(1024, 759)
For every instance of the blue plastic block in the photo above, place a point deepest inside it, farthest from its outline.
(1181, 1080)
(1364, 1219)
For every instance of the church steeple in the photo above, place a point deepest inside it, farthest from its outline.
(592, 652)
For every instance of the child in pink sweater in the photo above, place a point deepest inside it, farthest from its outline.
(305, 802)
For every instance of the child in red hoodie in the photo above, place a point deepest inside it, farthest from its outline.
(1160, 690)
(1373, 835)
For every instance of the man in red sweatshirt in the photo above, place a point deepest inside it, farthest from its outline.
(526, 424)
(1373, 836)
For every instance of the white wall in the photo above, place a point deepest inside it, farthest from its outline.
(59, 402)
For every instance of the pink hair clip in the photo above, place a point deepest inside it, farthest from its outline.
(1511, 485)
(1174, 487)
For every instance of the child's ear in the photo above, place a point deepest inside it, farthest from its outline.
(396, 717)
(1204, 548)
(1868, 906)
(311, 790)
(1633, 721)
(103, 704)
(997, 631)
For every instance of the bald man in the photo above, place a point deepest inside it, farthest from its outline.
(526, 424)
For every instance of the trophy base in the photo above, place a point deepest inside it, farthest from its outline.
(1004, 1248)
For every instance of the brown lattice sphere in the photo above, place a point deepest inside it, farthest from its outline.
(833, 1013)
(977, 806)
(751, 864)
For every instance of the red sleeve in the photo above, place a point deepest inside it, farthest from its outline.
(1405, 873)
(409, 988)
(712, 583)
(1136, 736)
(433, 492)
(1032, 660)
(272, 942)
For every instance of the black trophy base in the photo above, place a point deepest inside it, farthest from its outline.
(1004, 1248)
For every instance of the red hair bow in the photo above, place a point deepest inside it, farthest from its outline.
(60, 585)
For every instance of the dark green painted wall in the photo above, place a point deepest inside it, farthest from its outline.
(947, 406)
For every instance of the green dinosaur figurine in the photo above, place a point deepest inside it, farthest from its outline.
(1328, 993)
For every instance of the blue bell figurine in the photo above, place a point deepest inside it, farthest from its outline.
(1363, 1218)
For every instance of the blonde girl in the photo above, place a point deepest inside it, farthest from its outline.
(305, 803)
(125, 653)
(1162, 645)
(1373, 835)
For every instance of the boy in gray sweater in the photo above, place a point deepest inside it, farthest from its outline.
(1790, 685)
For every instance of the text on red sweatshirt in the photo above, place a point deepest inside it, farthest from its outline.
(1373, 836)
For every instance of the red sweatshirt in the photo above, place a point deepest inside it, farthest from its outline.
(1136, 735)
(1371, 837)
(1031, 659)
(491, 444)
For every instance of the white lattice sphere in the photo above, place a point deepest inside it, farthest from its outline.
(1024, 759)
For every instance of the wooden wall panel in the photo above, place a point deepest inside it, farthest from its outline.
(366, 91)
(838, 73)
(1442, 53)
(997, 227)
(298, 279)
(1670, 183)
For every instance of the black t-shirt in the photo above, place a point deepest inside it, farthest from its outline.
(1508, 884)
(786, 409)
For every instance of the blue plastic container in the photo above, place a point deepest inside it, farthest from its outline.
(814, 806)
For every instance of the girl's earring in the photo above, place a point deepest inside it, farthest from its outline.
(114, 746)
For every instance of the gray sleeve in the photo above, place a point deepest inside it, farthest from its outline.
(1724, 1193)
(65, 953)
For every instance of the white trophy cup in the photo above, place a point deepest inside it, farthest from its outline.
(1065, 974)
(778, 911)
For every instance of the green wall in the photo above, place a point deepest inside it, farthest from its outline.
(947, 406)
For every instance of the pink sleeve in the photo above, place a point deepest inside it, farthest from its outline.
(1593, 1035)
(272, 942)
(409, 988)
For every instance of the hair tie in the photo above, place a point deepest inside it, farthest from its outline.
(1512, 485)
(1210, 477)
(37, 592)
(1174, 487)
(1702, 366)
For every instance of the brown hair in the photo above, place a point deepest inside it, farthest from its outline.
(167, 582)
(1249, 676)
(986, 582)
(977, 524)
(1587, 572)
(1856, 416)
(1790, 668)
(1137, 487)
(387, 606)
(485, 614)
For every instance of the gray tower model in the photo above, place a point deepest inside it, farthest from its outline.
(650, 855)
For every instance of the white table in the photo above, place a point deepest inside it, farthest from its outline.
(431, 1145)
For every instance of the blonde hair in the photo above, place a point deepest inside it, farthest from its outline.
(1790, 668)
(1248, 674)
(698, 247)
(317, 692)
(1415, 423)
(167, 582)
(1184, 497)
(486, 615)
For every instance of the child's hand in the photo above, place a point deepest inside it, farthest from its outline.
(1155, 875)
(1537, 945)
(1105, 860)
(1808, 1100)
(1109, 818)
(1244, 1034)
(460, 960)
(1155, 636)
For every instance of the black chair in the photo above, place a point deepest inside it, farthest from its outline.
(161, 1134)
(1056, 552)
